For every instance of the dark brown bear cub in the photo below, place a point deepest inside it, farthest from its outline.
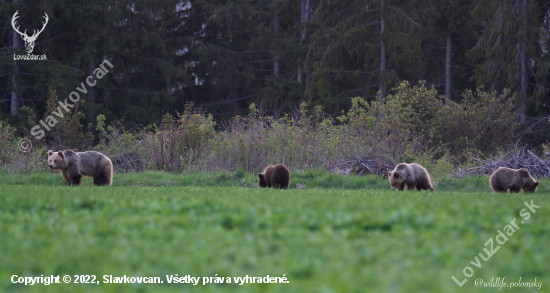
(410, 176)
(276, 176)
(504, 179)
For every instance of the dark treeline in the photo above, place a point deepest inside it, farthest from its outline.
(224, 55)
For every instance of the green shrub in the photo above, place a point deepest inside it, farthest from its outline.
(120, 144)
(67, 133)
(485, 122)
(7, 142)
(179, 142)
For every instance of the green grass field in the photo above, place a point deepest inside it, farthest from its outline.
(338, 234)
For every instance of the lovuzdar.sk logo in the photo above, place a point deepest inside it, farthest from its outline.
(29, 40)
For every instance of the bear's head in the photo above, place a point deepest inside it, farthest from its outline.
(531, 187)
(56, 161)
(529, 184)
(396, 180)
(261, 181)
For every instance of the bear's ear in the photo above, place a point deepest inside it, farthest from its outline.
(50, 153)
(60, 153)
(261, 176)
(537, 184)
(389, 173)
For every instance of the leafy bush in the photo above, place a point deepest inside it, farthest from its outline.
(179, 142)
(304, 140)
(414, 124)
(7, 142)
(12, 158)
(120, 144)
(485, 122)
(68, 132)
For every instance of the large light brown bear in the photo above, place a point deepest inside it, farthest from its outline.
(277, 176)
(504, 179)
(74, 165)
(410, 176)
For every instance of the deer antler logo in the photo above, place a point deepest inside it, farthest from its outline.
(29, 41)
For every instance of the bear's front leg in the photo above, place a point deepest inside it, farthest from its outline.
(402, 186)
(410, 185)
(76, 179)
(514, 190)
(66, 177)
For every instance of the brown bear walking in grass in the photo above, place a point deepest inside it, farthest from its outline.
(276, 176)
(504, 179)
(410, 176)
(74, 165)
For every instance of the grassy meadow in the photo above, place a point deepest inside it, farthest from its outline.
(334, 234)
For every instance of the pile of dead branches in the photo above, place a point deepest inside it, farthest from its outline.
(519, 158)
(366, 164)
(127, 162)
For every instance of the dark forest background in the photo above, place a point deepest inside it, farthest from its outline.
(225, 55)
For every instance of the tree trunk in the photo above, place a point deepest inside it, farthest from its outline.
(92, 98)
(523, 80)
(14, 111)
(16, 42)
(523, 64)
(304, 17)
(448, 65)
(277, 62)
(92, 95)
(382, 52)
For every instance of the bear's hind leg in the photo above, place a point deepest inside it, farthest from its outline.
(101, 180)
(423, 185)
(105, 179)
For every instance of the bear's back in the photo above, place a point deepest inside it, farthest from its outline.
(280, 176)
(92, 162)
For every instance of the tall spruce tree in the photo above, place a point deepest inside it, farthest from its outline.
(508, 53)
(140, 38)
(448, 33)
(359, 49)
(244, 55)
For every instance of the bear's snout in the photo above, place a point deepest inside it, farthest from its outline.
(51, 166)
